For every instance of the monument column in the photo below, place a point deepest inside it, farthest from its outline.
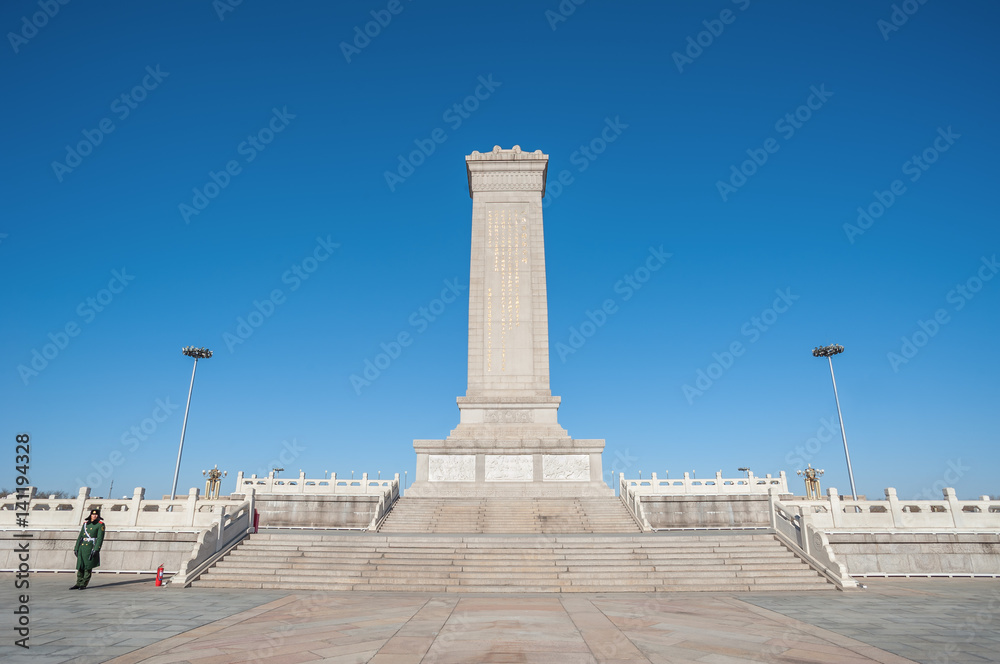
(508, 440)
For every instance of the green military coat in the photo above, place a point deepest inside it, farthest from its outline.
(88, 542)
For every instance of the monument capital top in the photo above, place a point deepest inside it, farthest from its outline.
(499, 154)
(505, 170)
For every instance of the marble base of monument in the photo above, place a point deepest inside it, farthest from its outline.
(509, 447)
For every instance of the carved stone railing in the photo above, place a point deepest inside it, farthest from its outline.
(630, 497)
(385, 504)
(948, 514)
(808, 542)
(717, 485)
(214, 542)
(333, 486)
(137, 513)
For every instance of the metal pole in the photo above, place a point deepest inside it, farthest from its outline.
(177, 468)
(847, 453)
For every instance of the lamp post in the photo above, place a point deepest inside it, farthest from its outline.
(745, 469)
(197, 354)
(828, 352)
(812, 476)
(214, 482)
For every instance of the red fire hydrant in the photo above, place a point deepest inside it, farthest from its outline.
(159, 575)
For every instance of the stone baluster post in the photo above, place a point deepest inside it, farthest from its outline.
(895, 509)
(80, 506)
(687, 482)
(220, 529)
(836, 507)
(364, 482)
(955, 507)
(135, 508)
(239, 483)
(772, 498)
(302, 481)
(192, 506)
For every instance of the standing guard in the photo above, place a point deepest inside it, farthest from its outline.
(88, 549)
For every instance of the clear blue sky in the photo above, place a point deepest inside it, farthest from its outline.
(117, 113)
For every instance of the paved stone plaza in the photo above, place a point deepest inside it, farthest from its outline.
(124, 619)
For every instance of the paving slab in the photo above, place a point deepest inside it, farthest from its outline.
(129, 620)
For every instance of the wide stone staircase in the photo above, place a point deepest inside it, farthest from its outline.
(509, 515)
(512, 563)
(512, 545)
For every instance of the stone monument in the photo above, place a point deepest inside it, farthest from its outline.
(508, 441)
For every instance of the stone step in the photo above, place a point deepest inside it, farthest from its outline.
(487, 586)
(649, 588)
(390, 570)
(509, 554)
(414, 569)
(451, 544)
(379, 576)
(590, 539)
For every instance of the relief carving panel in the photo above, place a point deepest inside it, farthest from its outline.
(505, 415)
(509, 468)
(566, 467)
(451, 468)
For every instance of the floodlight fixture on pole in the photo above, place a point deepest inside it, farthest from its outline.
(745, 469)
(197, 354)
(828, 352)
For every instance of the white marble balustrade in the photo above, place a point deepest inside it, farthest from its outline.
(838, 512)
(137, 513)
(301, 484)
(751, 484)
